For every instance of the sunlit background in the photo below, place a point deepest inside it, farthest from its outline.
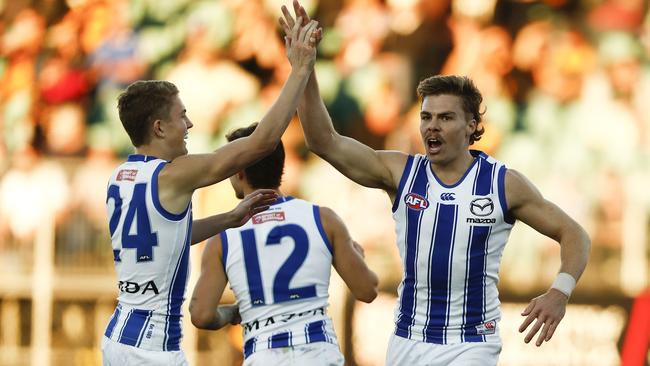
(566, 87)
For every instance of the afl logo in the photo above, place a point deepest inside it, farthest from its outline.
(481, 206)
(416, 202)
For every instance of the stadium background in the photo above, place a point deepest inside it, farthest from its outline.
(566, 86)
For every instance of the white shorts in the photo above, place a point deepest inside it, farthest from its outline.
(118, 354)
(402, 351)
(316, 354)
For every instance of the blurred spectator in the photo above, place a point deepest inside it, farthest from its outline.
(363, 24)
(211, 84)
(625, 15)
(32, 192)
(62, 77)
(20, 46)
(114, 63)
(256, 35)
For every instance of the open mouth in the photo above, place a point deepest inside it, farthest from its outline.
(433, 145)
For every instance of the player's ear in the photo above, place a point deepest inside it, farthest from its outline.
(158, 129)
(241, 175)
(471, 127)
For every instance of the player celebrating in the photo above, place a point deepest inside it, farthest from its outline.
(453, 208)
(278, 265)
(149, 207)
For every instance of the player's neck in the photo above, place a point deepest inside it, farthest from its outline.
(452, 171)
(150, 150)
(248, 189)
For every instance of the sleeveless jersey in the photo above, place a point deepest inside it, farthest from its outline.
(151, 256)
(450, 240)
(278, 265)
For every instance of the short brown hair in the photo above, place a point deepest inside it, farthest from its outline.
(143, 102)
(266, 173)
(460, 86)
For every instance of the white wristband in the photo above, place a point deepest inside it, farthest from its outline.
(565, 283)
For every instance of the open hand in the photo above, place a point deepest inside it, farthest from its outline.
(549, 310)
(289, 26)
(254, 203)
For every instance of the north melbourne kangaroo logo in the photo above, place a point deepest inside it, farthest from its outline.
(481, 206)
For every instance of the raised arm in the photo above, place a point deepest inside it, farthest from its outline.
(362, 164)
(254, 203)
(205, 311)
(186, 173)
(348, 259)
(525, 203)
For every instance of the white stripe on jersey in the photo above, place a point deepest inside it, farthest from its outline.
(278, 265)
(450, 239)
(147, 241)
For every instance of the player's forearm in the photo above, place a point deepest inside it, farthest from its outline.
(368, 292)
(210, 226)
(315, 119)
(574, 252)
(220, 317)
(275, 122)
(225, 314)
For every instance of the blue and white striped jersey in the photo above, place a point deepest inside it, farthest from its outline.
(151, 254)
(450, 239)
(278, 265)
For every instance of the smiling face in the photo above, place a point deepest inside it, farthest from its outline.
(445, 128)
(176, 127)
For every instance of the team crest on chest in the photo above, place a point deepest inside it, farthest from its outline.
(416, 202)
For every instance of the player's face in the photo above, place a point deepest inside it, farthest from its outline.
(445, 128)
(178, 125)
(236, 186)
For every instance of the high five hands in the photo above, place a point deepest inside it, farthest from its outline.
(289, 26)
(301, 37)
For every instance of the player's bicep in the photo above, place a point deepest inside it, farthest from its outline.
(347, 261)
(364, 165)
(527, 204)
(190, 172)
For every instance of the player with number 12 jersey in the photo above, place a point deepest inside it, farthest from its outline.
(278, 264)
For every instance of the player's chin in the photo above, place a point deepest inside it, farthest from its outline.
(435, 157)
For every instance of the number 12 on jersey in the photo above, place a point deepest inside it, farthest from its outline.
(281, 290)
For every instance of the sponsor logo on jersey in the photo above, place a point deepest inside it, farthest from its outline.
(135, 288)
(268, 216)
(473, 220)
(449, 196)
(415, 201)
(126, 174)
(481, 206)
(256, 324)
(487, 328)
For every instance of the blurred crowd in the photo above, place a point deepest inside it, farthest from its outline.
(565, 84)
